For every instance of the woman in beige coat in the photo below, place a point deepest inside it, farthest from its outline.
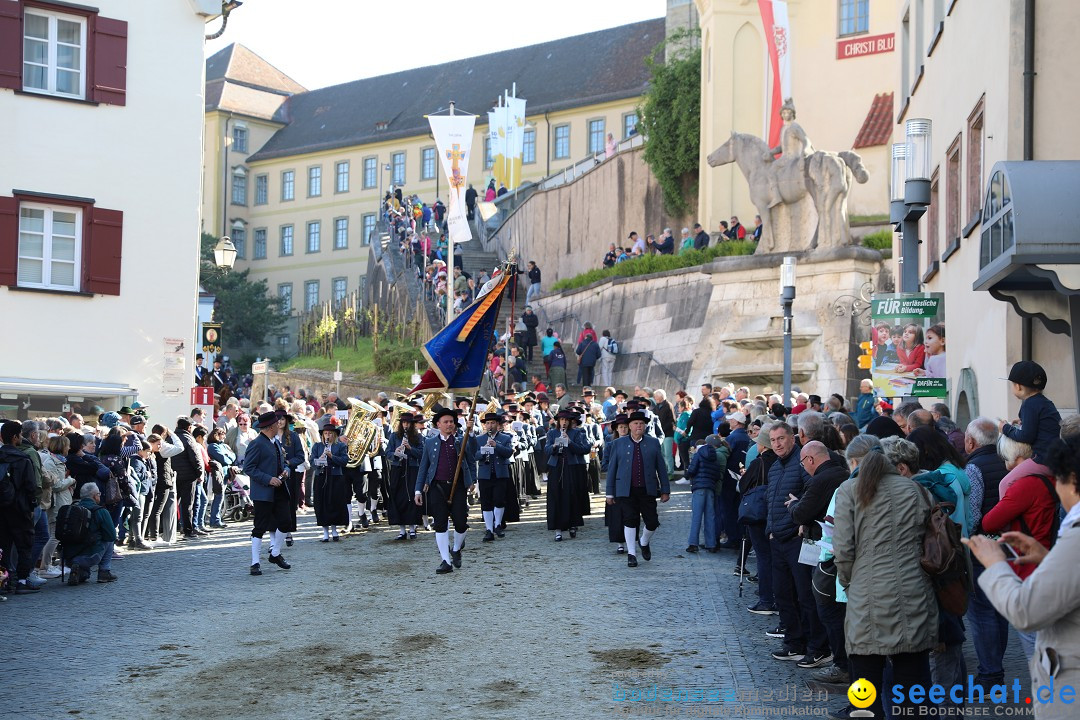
(1048, 601)
(880, 520)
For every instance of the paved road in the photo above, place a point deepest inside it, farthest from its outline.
(527, 628)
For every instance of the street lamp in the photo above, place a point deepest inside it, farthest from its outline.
(787, 298)
(225, 253)
(911, 164)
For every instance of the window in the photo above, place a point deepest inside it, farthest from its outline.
(398, 163)
(311, 295)
(596, 136)
(369, 227)
(562, 142)
(239, 186)
(528, 147)
(314, 236)
(629, 125)
(239, 241)
(54, 54)
(341, 233)
(489, 161)
(286, 240)
(371, 178)
(933, 225)
(854, 17)
(997, 220)
(314, 181)
(258, 251)
(284, 291)
(974, 163)
(239, 138)
(262, 183)
(427, 164)
(952, 192)
(288, 185)
(50, 247)
(341, 172)
(339, 289)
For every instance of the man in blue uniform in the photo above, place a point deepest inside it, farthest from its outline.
(438, 468)
(636, 475)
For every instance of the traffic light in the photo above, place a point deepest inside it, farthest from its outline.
(867, 355)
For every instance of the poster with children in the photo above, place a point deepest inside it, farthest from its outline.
(908, 345)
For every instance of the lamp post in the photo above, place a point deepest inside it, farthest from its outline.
(911, 172)
(787, 298)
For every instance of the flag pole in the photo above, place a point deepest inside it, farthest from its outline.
(450, 294)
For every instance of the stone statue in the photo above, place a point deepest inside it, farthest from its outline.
(801, 195)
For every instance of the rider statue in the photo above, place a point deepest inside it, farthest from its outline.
(794, 147)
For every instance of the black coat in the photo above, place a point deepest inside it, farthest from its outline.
(700, 424)
(814, 502)
(470, 198)
(531, 323)
(188, 464)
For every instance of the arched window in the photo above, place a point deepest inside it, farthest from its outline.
(997, 220)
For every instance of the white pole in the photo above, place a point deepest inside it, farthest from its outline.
(450, 267)
(337, 383)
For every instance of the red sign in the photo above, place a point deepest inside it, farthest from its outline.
(871, 45)
(202, 395)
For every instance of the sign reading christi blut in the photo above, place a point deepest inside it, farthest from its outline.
(869, 45)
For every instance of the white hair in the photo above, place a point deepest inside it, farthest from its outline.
(1012, 451)
(661, 393)
(88, 490)
(983, 431)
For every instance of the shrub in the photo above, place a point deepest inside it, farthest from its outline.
(648, 264)
(394, 358)
(880, 240)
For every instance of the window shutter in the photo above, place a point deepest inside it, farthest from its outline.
(9, 240)
(109, 61)
(101, 252)
(11, 42)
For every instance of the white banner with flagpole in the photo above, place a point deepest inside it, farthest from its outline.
(453, 141)
(515, 139)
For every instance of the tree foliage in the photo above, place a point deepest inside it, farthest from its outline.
(670, 118)
(648, 264)
(245, 308)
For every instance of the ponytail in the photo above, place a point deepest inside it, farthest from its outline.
(872, 468)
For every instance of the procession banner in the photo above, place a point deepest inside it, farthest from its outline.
(453, 141)
(507, 153)
(908, 345)
(497, 121)
(774, 18)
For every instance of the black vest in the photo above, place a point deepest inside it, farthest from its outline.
(992, 468)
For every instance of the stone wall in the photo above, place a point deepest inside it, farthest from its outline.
(320, 382)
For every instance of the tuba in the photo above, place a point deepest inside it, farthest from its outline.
(360, 432)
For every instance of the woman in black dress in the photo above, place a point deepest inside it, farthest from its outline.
(330, 491)
(564, 444)
(404, 450)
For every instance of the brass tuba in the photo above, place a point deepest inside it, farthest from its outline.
(360, 432)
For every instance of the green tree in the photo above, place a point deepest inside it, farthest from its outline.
(670, 119)
(244, 307)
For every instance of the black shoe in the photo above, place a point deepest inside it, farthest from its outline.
(256, 570)
(815, 661)
(325, 539)
(364, 522)
(646, 552)
(23, 587)
(713, 550)
(288, 541)
(336, 538)
(489, 536)
(741, 571)
(573, 532)
(200, 532)
(444, 568)
(220, 526)
(412, 534)
(73, 576)
(402, 536)
(763, 609)
(631, 561)
(620, 550)
(691, 548)
(785, 654)
(499, 531)
(374, 517)
(456, 556)
(778, 632)
(106, 576)
(279, 560)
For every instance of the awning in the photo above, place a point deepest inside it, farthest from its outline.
(67, 388)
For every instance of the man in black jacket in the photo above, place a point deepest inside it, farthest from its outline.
(470, 202)
(700, 425)
(827, 472)
(17, 517)
(701, 238)
(534, 282)
(189, 469)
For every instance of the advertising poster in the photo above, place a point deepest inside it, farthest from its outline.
(908, 345)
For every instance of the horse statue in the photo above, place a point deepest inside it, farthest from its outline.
(785, 190)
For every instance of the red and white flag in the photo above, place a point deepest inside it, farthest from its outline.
(774, 18)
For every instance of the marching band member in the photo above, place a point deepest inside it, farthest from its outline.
(404, 451)
(493, 474)
(612, 518)
(636, 476)
(264, 464)
(436, 475)
(329, 457)
(566, 447)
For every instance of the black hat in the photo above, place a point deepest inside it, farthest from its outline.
(442, 412)
(198, 356)
(638, 415)
(491, 416)
(331, 424)
(632, 404)
(460, 400)
(138, 420)
(621, 392)
(269, 419)
(528, 398)
(566, 414)
(620, 419)
(587, 391)
(406, 417)
(1029, 374)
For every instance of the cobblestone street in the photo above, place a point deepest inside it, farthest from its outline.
(527, 628)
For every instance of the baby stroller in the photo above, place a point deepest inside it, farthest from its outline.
(237, 504)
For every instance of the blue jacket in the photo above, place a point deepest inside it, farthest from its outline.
(621, 460)
(785, 476)
(222, 453)
(864, 410)
(1040, 425)
(704, 470)
(430, 461)
(339, 457)
(414, 453)
(575, 452)
(294, 451)
(739, 442)
(499, 461)
(263, 461)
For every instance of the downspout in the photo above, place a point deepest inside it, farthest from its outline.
(547, 124)
(1026, 325)
(225, 181)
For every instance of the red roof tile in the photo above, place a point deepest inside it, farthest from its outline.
(878, 126)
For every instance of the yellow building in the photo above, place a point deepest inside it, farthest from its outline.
(843, 61)
(295, 176)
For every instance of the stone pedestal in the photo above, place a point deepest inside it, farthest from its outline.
(742, 337)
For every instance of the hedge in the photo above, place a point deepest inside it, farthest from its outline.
(648, 264)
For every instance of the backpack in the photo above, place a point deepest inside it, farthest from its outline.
(613, 346)
(7, 486)
(946, 561)
(73, 525)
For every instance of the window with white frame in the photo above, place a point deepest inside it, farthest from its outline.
(314, 236)
(50, 247)
(562, 142)
(311, 295)
(528, 147)
(371, 178)
(239, 138)
(239, 186)
(262, 183)
(314, 181)
(258, 250)
(54, 53)
(398, 165)
(596, 136)
(369, 227)
(288, 185)
(239, 240)
(341, 233)
(629, 124)
(341, 174)
(284, 291)
(340, 289)
(286, 240)
(854, 17)
(427, 164)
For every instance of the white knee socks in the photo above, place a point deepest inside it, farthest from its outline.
(499, 512)
(326, 532)
(645, 535)
(489, 518)
(631, 540)
(256, 548)
(459, 540)
(333, 529)
(277, 541)
(443, 541)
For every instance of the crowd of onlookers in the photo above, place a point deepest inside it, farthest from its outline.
(696, 238)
